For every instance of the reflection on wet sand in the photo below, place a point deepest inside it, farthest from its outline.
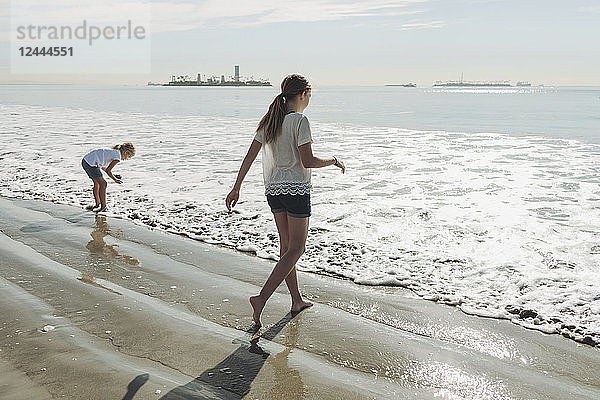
(287, 383)
(97, 246)
(233, 376)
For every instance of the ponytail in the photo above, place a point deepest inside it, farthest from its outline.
(271, 122)
(273, 119)
(117, 146)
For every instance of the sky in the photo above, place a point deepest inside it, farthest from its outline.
(364, 42)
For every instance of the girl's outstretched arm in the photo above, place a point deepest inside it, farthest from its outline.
(309, 160)
(234, 195)
(109, 169)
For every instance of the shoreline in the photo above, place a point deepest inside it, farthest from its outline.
(523, 318)
(138, 310)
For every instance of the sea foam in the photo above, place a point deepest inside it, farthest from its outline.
(500, 226)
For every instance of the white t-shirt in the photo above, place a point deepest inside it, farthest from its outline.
(283, 171)
(102, 157)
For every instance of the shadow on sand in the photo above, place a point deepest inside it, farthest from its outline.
(135, 385)
(232, 377)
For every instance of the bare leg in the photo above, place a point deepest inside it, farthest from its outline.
(102, 192)
(298, 303)
(96, 192)
(298, 230)
(291, 280)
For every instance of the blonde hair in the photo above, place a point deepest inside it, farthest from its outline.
(126, 148)
(292, 86)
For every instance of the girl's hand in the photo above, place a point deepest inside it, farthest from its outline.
(117, 180)
(340, 165)
(232, 199)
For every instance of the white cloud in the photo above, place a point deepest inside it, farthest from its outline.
(180, 15)
(73, 11)
(171, 16)
(423, 25)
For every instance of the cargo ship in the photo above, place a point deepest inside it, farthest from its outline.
(472, 84)
(402, 84)
(463, 83)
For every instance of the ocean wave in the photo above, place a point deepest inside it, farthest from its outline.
(500, 226)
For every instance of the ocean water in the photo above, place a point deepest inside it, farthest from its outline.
(484, 199)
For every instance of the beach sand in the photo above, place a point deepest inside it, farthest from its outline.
(95, 307)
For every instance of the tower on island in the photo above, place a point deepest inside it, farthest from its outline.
(213, 80)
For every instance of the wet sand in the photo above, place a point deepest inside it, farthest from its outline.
(137, 313)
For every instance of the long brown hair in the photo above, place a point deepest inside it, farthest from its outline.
(292, 85)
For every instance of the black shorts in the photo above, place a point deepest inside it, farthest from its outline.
(92, 171)
(297, 206)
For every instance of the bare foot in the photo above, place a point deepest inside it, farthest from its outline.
(297, 307)
(257, 306)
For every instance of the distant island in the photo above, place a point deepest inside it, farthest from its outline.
(463, 83)
(479, 84)
(186, 80)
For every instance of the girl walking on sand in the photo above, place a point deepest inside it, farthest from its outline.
(105, 159)
(285, 137)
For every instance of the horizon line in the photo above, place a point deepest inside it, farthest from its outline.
(322, 85)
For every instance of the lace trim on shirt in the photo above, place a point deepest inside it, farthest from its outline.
(291, 188)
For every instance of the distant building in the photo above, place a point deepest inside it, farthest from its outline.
(186, 80)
